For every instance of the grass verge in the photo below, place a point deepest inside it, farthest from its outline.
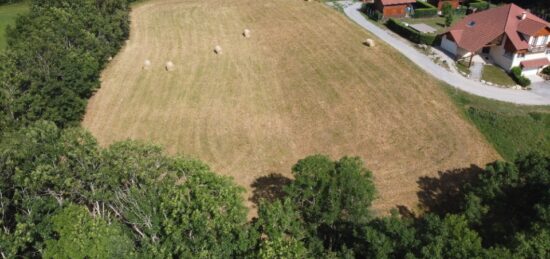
(511, 129)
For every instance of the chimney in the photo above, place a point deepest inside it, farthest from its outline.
(523, 15)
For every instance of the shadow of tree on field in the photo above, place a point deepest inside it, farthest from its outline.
(444, 193)
(269, 187)
(405, 212)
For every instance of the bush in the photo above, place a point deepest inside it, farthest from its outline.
(410, 34)
(521, 80)
(479, 5)
(424, 10)
(546, 70)
(461, 10)
(447, 8)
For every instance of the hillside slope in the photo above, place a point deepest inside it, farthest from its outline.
(302, 84)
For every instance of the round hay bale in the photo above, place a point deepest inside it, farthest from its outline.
(370, 43)
(146, 64)
(218, 49)
(169, 66)
(246, 33)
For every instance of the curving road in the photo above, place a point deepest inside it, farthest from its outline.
(454, 79)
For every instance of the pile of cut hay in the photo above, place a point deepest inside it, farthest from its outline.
(369, 43)
(146, 64)
(218, 49)
(169, 66)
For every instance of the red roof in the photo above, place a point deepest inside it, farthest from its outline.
(477, 30)
(530, 27)
(535, 63)
(394, 2)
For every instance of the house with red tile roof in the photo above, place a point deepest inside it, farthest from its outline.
(509, 35)
(393, 8)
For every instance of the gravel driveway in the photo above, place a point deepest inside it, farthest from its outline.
(539, 96)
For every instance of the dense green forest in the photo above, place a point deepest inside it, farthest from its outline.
(63, 196)
(54, 58)
(538, 7)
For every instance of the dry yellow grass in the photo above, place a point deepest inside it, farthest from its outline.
(302, 84)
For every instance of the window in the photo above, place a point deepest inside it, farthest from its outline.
(540, 40)
(471, 23)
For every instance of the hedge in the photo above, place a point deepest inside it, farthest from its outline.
(425, 10)
(479, 5)
(409, 33)
(521, 80)
(461, 10)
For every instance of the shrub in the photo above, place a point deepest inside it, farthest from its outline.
(461, 10)
(424, 10)
(410, 34)
(449, 18)
(447, 8)
(521, 80)
(479, 5)
(546, 70)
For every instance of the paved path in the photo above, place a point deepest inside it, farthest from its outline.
(541, 88)
(540, 97)
(476, 70)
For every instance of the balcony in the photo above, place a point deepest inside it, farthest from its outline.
(537, 48)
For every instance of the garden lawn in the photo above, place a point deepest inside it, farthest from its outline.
(497, 76)
(437, 22)
(8, 14)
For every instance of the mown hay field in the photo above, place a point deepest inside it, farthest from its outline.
(303, 83)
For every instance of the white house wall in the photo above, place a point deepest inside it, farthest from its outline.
(448, 45)
(497, 53)
(528, 56)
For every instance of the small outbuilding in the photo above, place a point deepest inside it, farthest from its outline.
(394, 8)
(439, 3)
